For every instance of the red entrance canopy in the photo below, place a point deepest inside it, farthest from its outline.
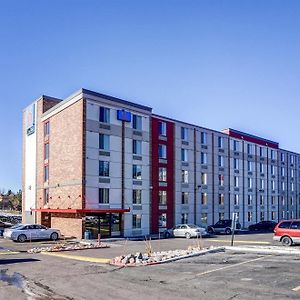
(81, 211)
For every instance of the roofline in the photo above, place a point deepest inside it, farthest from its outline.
(115, 99)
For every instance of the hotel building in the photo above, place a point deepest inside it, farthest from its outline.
(97, 163)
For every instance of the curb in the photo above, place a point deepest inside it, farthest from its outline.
(263, 250)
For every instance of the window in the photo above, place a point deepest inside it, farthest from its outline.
(282, 185)
(104, 168)
(203, 138)
(137, 122)
(262, 215)
(261, 151)
(137, 196)
(236, 146)
(136, 221)
(162, 128)
(282, 171)
(235, 163)
(184, 198)
(250, 199)
(273, 154)
(162, 151)
(292, 173)
(250, 182)
(162, 220)
(273, 200)
(203, 158)
(221, 142)
(204, 178)
(162, 174)
(184, 218)
(204, 218)
(137, 147)
(282, 157)
(261, 200)
(46, 173)
(249, 149)
(185, 176)
(236, 181)
(46, 151)
(249, 165)
(221, 180)
(295, 225)
(262, 184)
(104, 115)
(273, 215)
(204, 198)
(236, 199)
(137, 172)
(261, 168)
(221, 161)
(282, 200)
(285, 224)
(273, 185)
(46, 129)
(184, 155)
(292, 186)
(184, 133)
(104, 141)
(46, 196)
(272, 170)
(292, 159)
(249, 216)
(292, 200)
(221, 199)
(221, 216)
(162, 196)
(103, 196)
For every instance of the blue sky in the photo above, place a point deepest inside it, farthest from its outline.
(214, 63)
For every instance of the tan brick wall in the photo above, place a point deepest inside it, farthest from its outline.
(65, 165)
(69, 225)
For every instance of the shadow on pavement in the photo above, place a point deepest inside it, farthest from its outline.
(17, 260)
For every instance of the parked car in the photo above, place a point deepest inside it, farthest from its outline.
(223, 226)
(185, 230)
(5, 225)
(26, 232)
(287, 232)
(263, 226)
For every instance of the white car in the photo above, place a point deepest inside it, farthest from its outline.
(185, 230)
(27, 232)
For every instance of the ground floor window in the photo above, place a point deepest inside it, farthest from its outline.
(136, 221)
(221, 216)
(184, 218)
(162, 220)
(204, 218)
(249, 216)
(262, 215)
(273, 215)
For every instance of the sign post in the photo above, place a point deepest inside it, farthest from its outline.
(233, 225)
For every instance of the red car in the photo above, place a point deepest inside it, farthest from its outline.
(287, 232)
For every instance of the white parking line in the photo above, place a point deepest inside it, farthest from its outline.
(232, 266)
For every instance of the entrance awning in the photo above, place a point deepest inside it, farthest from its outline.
(81, 211)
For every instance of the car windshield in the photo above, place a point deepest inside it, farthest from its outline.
(17, 226)
(192, 226)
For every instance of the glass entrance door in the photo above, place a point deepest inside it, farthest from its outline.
(105, 224)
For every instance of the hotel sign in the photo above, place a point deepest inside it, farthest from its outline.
(124, 115)
(30, 119)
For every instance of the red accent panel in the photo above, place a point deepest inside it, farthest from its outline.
(170, 174)
(75, 211)
(250, 138)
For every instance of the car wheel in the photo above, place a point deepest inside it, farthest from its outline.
(227, 231)
(210, 230)
(167, 235)
(21, 238)
(286, 241)
(188, 235)
(54, 236)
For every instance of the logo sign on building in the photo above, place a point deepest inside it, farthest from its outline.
(123, 115)
(30, 119)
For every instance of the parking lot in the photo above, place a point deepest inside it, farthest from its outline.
(84, 275)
